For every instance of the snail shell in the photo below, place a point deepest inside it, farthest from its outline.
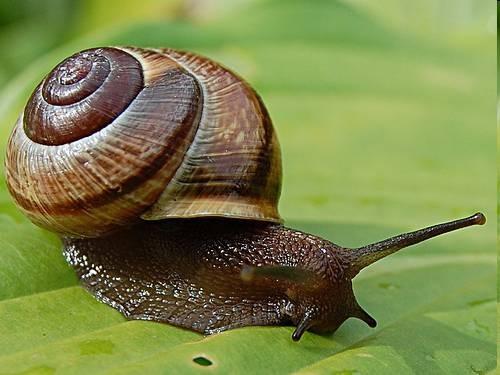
(112, 135)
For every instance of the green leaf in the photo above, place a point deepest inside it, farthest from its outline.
(381, 132)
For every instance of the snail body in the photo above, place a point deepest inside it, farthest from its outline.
(161, 172)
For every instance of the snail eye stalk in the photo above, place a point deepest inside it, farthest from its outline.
(366, 255)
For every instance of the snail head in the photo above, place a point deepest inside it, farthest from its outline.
(320, 294)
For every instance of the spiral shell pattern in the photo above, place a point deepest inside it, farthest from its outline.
(115, 135)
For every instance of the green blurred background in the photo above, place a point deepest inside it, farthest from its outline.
(385, 111)
(31, 28)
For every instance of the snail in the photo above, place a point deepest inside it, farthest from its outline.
(161, 172)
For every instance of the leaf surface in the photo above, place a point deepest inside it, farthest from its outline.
(381, 133)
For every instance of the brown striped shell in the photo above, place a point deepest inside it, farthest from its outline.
(115, 135)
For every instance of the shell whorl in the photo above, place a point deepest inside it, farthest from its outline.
(115, 135)
(81, 95)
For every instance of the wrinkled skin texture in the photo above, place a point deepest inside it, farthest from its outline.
(198, 274)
